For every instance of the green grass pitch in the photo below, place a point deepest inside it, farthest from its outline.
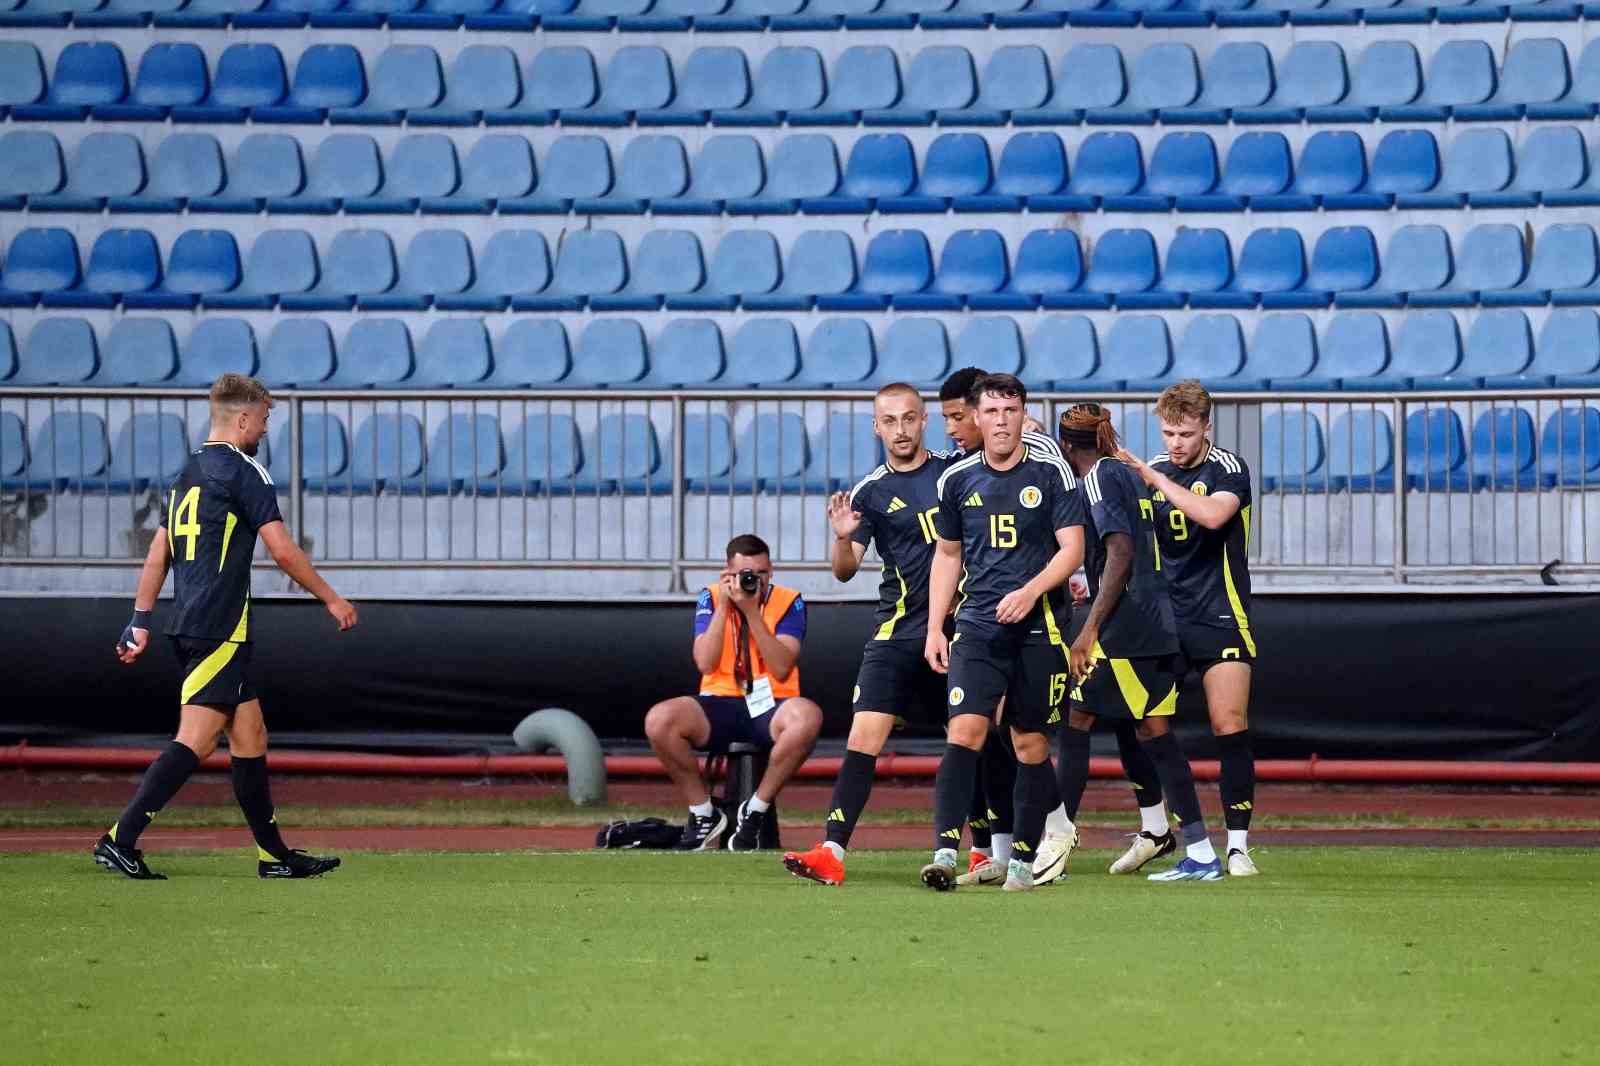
(1391, 956)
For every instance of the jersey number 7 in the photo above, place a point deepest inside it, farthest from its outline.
(183, 521)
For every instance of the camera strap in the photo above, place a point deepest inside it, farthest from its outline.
(742, 671)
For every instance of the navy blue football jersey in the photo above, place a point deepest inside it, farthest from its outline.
(897, 511)
(1207, 568)
(1141, 623)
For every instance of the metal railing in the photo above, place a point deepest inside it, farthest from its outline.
(1491, 484)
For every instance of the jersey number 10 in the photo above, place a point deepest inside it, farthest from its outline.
(925, 523)
(183, 521)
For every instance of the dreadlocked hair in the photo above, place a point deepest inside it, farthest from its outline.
(1088, 425)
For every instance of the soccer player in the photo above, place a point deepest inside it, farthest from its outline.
(1202, 500)
(997, 774)
(1124, 658)
(217, 507)
(894, 507)
(1010, 532)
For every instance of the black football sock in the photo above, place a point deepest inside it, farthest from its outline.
(978, 811)
(1072, 773)
(1177, 784)
(1238, 778)
(952, 794)
(850, 794)
(1000, 781)
(255, 800)
(1035, 798)
(1138, 766)
(161, 782)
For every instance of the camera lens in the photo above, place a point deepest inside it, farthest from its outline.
(749, 580)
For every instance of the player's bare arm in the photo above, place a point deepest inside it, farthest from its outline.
(943, 577)
(136, 637)
(1212, 511)
(1016, 605)
(1119, 563)
(845, 554)
(292, 561)
(779, 653)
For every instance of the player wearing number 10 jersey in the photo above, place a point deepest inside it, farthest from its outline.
(220, 503)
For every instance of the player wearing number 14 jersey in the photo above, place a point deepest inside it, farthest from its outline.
(220, 503)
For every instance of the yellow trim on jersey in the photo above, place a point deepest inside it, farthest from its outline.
(209, 668)
(243, 628)
(227, 535)
(886, 630)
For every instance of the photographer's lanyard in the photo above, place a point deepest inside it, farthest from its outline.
(742, 656)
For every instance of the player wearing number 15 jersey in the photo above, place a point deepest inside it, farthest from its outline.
(220, 503)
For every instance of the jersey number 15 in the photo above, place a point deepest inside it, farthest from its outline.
(1003, 530)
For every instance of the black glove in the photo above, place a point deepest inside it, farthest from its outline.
(141, 620)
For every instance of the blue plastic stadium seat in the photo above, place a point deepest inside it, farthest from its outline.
(1088, 76)
(1535, 72)
(1048, 268)
(1311, 76)
(765, 351)
(1497, 354)
(638, 78)
(941, 83)
(1427, 349)
(105, 165)
(30, 165)
(187, 166)
(1293, 458)
(1361, 452)
(729, 167)
(280, 261)
(972, 263)
(1183, 174)
(1405, 164)
(465, 455)
(840, 352)
(1271, 269)
(688, 353)
(423, 172)
(1237, 75)
(121, 261)
(39, 261)
(1137, 348)
(558, 79)
(1283, 351)
(1460, 73)
(345, 170)
(482, 79)
(714, 81)
(624, 454)
(1063, 350)
(790, 79)
(1016, 79)
(1332, 163)
(1551, 164)
(498, 167)
(1123, 261)
(1198, 261)
(897, 263)
(138, 352)
(956, 174)
(1578, 102)
(847, 451)
(266, 170)
(917, 351)
(387, 451)
(1388, 74)
(530, 354)
(1478, 169)
(1569, 449)
(865, 78)
(69, 449)
(654, 168)
(13, 450)
(216, 346)
(544, 457)
(150, 450)
(1436, 451)
(819, 263)
(1345, 259)
(1031, 165)
(611, 351)
(1503, 445)
(1166, 77)
(437, 263)
(327, 77)
(588, 263)
(360, 265)
(170, 75)
(773, 453)
(1354, 352)
(248, 76)
(745, 265)
(1212, 352)
(993, 342)
(575, 168)
(22, 79)
(1490, 257)
(707, 451)
(667, 265)
(324, 454)
(804, 167)
(1107, 165)
(88, 74)
(298, 354)
(1569, 348)
(1259, 164)
(1417, 260)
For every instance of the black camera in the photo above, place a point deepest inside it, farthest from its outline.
(749, 581)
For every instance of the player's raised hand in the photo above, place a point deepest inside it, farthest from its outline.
(1015, 606)
(937, 651)
(344, 613)
(844, 518)
(1140, 467)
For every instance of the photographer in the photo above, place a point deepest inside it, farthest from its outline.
(747, 636)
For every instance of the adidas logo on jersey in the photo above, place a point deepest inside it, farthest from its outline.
(896, 504)
(973, 501)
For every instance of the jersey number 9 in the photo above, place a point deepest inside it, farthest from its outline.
(1179, 524)
(1003, 530)
(183, 521)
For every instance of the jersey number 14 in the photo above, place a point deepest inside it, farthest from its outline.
(183, 521)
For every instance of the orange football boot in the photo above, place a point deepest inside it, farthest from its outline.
(819, 864)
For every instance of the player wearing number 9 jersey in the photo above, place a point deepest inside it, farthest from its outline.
(220, 503)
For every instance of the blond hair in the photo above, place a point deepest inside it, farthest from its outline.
(1186, 399)
(232, 393)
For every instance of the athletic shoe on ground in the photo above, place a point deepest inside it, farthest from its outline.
(940, 876)
(1146, 848)
(982, 870)
(297, 864)
(1189, 870)
(129, 862)
(702, 831)
(1240, 864)
(1019, 877)
(1054, 851)
(819, 864)
(746, 835)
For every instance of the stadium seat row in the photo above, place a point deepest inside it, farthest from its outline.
(714, 16)
(268, 171)
(1090, 83)
(1355, 351)
(593, 268)
(776, 451)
